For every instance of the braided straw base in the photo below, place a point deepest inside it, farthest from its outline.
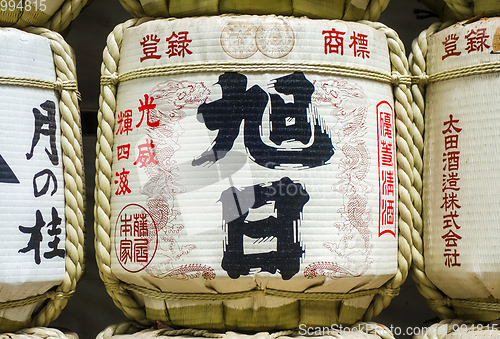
(325, 9)
(55, 15)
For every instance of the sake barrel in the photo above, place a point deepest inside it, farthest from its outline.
(324, 9)
(457, 265)
(360, 330)
(41, 178)
(246, 171)
(53, 14)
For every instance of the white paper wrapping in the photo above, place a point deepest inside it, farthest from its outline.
(32, 233)
(460, 178)
(201, 158)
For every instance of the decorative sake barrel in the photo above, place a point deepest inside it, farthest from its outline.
(457, 266)
(455, 329)
(358, 331)
(325, 9)
(246, 171)
(41, 178)
(53, 14)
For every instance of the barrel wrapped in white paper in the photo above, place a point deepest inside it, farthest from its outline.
(55, 15)
(41, 184)
(460, 187)
(246, 171)
(324, 9)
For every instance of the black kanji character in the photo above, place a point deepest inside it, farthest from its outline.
(50, 131)
(289, 122)
(289, 199)
(35, 238)
(54, 231)
(50, 175)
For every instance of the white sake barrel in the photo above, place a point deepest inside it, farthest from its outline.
(246, 172)
(53, 14)
(41, 238)
(460, 200)
(325, 9)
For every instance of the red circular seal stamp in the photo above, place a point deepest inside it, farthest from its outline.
(238, 39)
(275, 38)
(136, 238)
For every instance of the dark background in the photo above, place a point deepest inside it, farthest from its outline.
(91, 309)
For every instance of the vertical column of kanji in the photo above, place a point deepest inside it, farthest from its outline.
(407, 194)
(103, 192)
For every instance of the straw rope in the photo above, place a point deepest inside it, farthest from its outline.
(461, 8)
(28, 82)
(405, 160)
(38, 333)
(319, 68)
(405, 157)
(131, 328)
(35, 299)
(372, 11)
(249, 294)
(71, 143)
(488, 67)
(102, 195)
(67, 13)
(418, 67)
